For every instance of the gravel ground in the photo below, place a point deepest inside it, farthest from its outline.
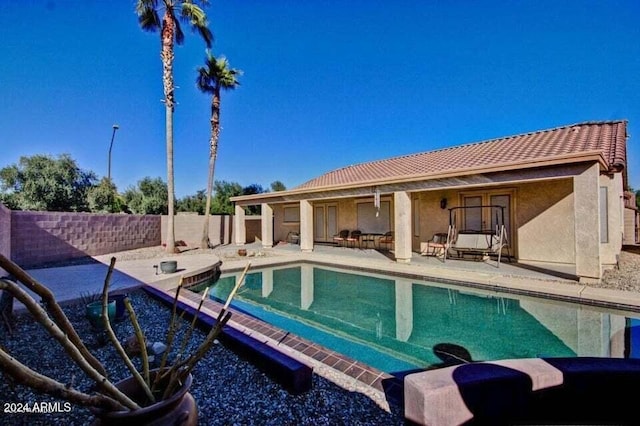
(228, 389)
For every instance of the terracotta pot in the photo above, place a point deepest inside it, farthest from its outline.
(179, 409)
(242, 252)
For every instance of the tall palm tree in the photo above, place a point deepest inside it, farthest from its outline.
(213, 77)
(173, 13)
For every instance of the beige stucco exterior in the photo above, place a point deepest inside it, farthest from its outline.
(555, 213)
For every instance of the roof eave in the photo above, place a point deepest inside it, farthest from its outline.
(585, 156)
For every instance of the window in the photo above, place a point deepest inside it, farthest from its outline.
(370, 222)
(292, 214)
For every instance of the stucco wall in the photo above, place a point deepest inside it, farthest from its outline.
(432, 218)
(281, 228)
(41, 237)
(5, 233)
(610, 250)
(545, 222)
(253, 227)
(188, 228)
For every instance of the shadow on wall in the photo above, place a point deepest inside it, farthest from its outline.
(40, 238)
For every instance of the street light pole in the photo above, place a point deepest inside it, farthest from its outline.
(115, 127)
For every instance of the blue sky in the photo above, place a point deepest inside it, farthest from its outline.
(326, 83)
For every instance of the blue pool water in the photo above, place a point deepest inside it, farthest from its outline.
(394, 323)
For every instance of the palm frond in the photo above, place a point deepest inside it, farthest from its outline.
(148, 15)
(204, 82)
(196, 17)
(217, 73)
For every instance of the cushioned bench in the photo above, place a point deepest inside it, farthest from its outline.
(585, 390)
(476, 243)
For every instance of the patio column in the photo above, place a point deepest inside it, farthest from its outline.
(587, 224)
(402, 228)
(266, 225)
(239, 230)
(306, 226)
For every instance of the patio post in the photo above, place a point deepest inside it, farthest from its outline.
(306, 226)
(266, 224)
(402, 228)
(239, 230)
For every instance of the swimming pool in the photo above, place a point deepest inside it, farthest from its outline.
(394, 323)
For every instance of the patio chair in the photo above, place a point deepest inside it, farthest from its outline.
(386, 239)
(436, 246)
(341, 236)
(354, 238)
(293, 237)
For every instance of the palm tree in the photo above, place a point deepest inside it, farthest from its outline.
(213, 77)
(175, 12)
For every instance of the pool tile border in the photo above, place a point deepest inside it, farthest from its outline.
(356, 370)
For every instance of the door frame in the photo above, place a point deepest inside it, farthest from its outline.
(328, 232)
(486, 195)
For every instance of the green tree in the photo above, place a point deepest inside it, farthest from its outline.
(252, 189)
(224, 190)
(173, 13)
(638, 198)
(46, 183)
(149, 197)
(277, 186)
(104, 198)
(212, 78)
(192, 203)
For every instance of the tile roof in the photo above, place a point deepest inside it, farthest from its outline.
(608, 138)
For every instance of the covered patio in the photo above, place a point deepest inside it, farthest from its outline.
(559, 194)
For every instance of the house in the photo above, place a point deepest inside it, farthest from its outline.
(562, 189)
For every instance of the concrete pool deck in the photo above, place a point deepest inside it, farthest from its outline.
(67, 282)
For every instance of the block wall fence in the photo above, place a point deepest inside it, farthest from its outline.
(5, 233)
(43, 237)
(32, 238)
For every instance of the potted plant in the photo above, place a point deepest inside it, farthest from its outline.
(160, 395)
(93, 307)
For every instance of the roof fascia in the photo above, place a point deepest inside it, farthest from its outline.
(281, 196)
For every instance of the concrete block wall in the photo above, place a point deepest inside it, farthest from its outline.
(5, 233)
(42, 237)
(188, 228)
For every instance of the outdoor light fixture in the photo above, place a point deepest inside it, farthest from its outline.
(115, 127)
(443, 203)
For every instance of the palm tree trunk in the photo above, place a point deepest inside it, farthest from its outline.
(168, 29)
(213, 154)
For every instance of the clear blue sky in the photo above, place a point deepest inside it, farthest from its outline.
(326, 83)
